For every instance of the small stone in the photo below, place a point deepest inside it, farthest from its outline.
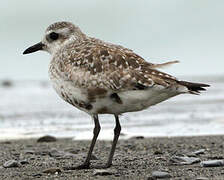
(29, 145)
(157, 152)
(195, 153)
(83, 155)
(200, 151)
(151, 178)
(102, 172)
(73, 151)
(6, 142)
(11, 163)
(52, 170)
(6, 83)
(160, 174)
(32, 158)
(117, 175)
(23, 161)
(184, 160)
(47, 138)
(137, 137)
(212, 163)
(61, 154)
(37, 175)
(93, 157)
(29, 151)
(44, 153)
(215, 157)
(201, 178)
(56, 153)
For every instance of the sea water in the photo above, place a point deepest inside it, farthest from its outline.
(33, 109)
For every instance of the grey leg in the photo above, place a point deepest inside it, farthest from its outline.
(96, 132)
(117, 131)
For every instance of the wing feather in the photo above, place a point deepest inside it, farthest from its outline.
(99, 64)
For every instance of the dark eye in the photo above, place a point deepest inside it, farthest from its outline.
(54, 36)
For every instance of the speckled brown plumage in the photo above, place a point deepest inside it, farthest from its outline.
(103, 78)
(108, 66)
(92, 65)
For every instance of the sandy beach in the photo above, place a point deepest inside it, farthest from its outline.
(112, 58)
(135, 158)
(178, 157)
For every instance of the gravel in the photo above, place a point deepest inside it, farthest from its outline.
(141, 158)
(160, 174)
(212, 163)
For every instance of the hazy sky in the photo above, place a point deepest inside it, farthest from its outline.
(190, 31)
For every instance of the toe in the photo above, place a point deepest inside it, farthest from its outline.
(82, 166)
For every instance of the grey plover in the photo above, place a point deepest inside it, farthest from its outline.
(103, 78)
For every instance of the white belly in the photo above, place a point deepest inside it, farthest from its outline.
(135, 100)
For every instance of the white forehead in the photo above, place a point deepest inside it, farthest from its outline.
(60, 25)
(64, 30)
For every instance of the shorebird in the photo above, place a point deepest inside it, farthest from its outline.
(103, 78)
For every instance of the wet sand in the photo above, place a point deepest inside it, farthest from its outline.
(135, 158)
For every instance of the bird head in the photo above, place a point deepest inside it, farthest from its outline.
(55, 36)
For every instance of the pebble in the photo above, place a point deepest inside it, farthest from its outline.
(160, 174)
(52, 170)
(56, 153)
(37, 175)
(28, 151)
(44, 153)
(24, 161)
(200, 151)
(6, 83)
(212, 163)
(65, 155)
(11, 163)
(93, 157)
(83, 155)
(61, 154)
(157, 152)
(6, 142)
(184, 160)
(195, 153)
(32, 158)
(137, 137)
(47, 138)
(73, 151)
(201, 178)
(102, 172)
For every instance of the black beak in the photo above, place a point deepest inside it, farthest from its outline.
(34, 48)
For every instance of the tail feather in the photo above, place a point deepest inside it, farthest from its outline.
(194, 88)
(163, 64)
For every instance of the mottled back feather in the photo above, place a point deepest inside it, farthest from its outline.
(94, 63)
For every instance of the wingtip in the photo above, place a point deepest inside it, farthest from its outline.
(194, 88)
(162, 65)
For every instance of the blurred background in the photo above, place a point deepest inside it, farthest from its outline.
(189, 31)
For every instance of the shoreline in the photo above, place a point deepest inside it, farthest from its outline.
(135, 158)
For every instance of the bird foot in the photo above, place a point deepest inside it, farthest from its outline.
(82, 166)
(102, 166)
(87, 166)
